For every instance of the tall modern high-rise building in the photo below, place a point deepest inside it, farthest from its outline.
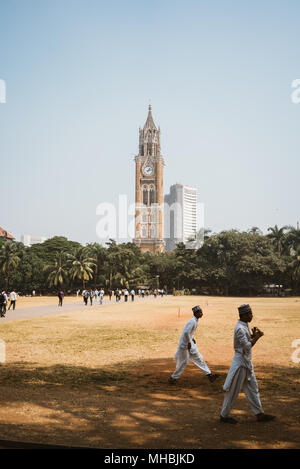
(149, 164)
(180, 220)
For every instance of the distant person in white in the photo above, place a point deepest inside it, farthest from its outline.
(13, 299)
(241, 373)
(187, 350)
(101, 294)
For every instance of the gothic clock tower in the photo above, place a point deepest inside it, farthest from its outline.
(149, 198)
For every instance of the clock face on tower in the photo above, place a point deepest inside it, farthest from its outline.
(148, 170)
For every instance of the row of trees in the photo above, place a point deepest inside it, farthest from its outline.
(228, 263)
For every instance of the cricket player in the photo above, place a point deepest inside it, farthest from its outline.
(187, 350)
(241, 374)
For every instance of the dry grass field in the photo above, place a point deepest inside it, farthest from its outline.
(98, 377)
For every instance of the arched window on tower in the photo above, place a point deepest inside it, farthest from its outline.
(153, 217)
(149, 194)
(144, 231)
(145, 195)
(153, 231)
(149, 146)
(152, 195)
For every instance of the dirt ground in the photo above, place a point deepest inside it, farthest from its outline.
(99, 377)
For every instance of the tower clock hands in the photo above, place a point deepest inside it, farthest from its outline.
(148, 170)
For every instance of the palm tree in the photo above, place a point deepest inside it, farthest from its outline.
(81, 265)
(293, 239)
(255, 230)
(58, 270)
(98, 253)
(277, 237)
(9, 260)
(295, 267)
(122, 264)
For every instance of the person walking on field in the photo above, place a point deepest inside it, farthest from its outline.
(187, 350)
(241, 373)
(85, 295)
(13, 299)
(101, 295)
(2, 304)
(91, 295)
(118, 295)
(60, 297)
(5, 300)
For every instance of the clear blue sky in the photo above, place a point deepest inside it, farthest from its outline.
(79, 76)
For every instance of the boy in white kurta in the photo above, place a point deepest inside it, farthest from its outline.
(241, 373)
(187, 349)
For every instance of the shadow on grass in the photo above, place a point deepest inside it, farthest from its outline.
(133, 406)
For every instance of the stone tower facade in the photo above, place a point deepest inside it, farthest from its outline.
(149, 198)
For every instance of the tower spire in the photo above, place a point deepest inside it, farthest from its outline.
(150, 122)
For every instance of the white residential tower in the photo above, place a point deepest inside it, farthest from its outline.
(180, 215)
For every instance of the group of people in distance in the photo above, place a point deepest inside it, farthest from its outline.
(91, 296)
(241, 375)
